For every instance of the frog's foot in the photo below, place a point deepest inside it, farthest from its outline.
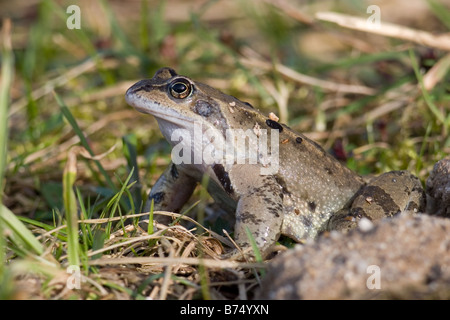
(438, 189)
(388, 195)
(170, 192)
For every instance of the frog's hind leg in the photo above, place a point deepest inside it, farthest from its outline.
(438, 189)
(387, 195)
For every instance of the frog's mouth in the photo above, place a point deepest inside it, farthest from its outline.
(159, 111)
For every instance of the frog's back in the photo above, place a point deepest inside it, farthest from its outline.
(315, 184)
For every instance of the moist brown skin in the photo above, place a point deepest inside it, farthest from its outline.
(297, 200)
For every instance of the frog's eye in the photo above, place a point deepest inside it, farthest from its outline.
(180, 88)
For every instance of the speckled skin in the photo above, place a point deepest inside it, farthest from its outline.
(298, 201)
(438, 189)
(384, 196)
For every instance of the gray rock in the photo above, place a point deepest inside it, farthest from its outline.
(406, 257)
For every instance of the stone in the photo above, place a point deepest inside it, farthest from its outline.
(404, 257)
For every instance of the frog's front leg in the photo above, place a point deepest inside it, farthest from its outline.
(171, 191)
(385, 196)
(259, 208)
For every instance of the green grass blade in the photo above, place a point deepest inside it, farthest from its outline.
(98, 242)
(204, 280)
(130, 152)
(144, 26)
(115, 201)
(256, 251)
(255, 248)
(119, 34)
(20, 234)
(68, 115)
(150, 218)
(202, 204)
(70, 206)
(137, 294)
(85, 230)
(426, 96)
(440, 11)
(6, 81)
(37, 223)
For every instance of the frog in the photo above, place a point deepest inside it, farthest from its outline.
(294, 188)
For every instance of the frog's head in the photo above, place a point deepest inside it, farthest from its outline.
(178, 102)
(204, 116)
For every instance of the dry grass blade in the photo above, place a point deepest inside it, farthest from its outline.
(50, 85)
(241, 284)
(395, 99)
(280, 95)
(436, 73)
(156, 235)
(123, 244)
(209, 263)
(304, 79)
(86, 154)
(70, 206)
(291, 11)
(441, 41)
(176, 230)
(163, 213)
(57, 152)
